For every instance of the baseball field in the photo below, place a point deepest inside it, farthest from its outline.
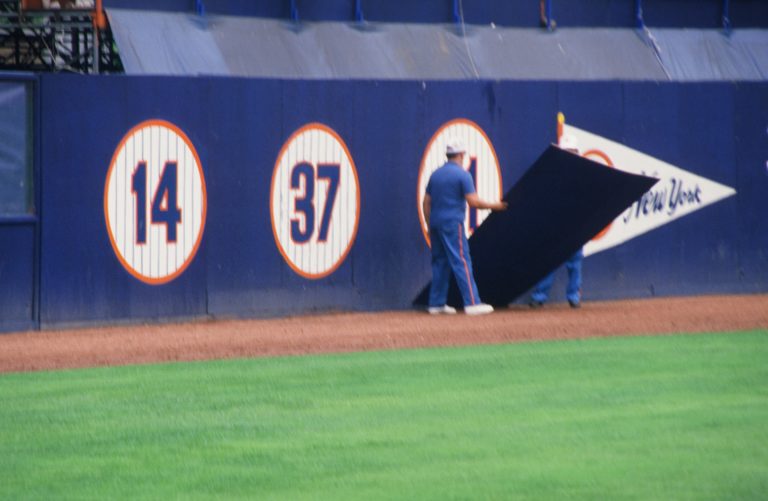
(646, 399)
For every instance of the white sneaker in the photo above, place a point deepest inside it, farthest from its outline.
(441, 310)
(478, 309)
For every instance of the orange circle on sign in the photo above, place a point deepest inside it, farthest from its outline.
(423, 168)
(605, 158)
(115, 187)
(332, 253)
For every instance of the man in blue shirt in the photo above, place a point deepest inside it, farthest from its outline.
(449, 190)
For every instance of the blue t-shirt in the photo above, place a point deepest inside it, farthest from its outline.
(447, 188)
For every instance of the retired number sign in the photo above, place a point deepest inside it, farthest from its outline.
(315, 201)
(480, 161)
(155, 202)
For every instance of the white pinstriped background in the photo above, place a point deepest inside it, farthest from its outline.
(488, 183)
(157, 260)
(315, 144)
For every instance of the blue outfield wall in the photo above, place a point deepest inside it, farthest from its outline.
(238, 127)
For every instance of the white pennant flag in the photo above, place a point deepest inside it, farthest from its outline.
(677, 194)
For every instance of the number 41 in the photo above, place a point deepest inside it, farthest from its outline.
(165, 209)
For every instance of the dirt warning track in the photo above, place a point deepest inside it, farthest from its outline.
(348, 332)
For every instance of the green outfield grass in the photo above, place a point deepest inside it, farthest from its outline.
(667, 417)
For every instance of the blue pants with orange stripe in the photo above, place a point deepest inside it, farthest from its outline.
(450, 253)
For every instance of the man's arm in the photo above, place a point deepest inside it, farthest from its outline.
(426, 207)
(476, 202)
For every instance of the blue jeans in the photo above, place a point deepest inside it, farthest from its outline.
(572, 291)
(450, 254)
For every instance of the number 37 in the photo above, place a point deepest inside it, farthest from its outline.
(305, 202)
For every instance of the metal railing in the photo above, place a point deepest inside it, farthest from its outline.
(43, 36)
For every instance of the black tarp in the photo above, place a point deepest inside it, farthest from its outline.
(559, 204)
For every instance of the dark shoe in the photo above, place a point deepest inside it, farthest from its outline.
(574, 304)
(535, 304)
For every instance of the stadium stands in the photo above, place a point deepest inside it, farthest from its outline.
(55, 36)
(374, 39)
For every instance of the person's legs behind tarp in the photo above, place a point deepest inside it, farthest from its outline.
(540, 293)
(573, 290)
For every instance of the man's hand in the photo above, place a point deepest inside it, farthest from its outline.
(476, 202)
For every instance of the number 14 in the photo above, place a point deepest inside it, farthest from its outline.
(165, 209)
